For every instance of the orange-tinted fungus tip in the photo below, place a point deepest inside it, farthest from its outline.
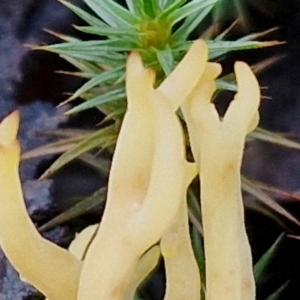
(9, 128)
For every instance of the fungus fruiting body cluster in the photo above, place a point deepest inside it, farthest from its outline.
(146, 210)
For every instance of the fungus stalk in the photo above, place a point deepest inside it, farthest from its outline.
(217, 145)
(182, 274)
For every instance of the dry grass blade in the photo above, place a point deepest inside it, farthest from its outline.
(256, 191)
(282, 193)
(255, 36)
(52, 148)
(267, 63)
(275, 138)
(77, 210)
(195, 222)
(98, 162)
(102, 138)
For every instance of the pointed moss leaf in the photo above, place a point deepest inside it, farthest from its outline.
(114, 95)
(167, 3)
(261, 268)
(79, 209)
(116, 114)
(193, 203)
(112, 13)
(63, 37)
(271, 137)
(190, 8)
(152, 8)
(226, 85)
(99, 163)
(91, 20)
(258, 35)
(171, 6)
(279, 294)
(164, 3)
(92, 46)
(190, 23)
(194, 211)
(98, 79)
(102, 138)
(265, 199)
(180, 46)
(197, 243)
(100, 58)
(108, 31)
(77, 74)
(84, 66)
(233, 45)
(136, 7)
(155, 7)
(103, 14)
(219, 48)
(104, 52)
(131, 5)
(166, 60)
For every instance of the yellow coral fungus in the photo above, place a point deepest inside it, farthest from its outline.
(148, 181)
(147, 185)
(146, 210)
(48, 267)
(218, 146)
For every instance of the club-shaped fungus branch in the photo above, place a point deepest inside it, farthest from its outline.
(217, 145)
(148, 179)
(51, 269)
